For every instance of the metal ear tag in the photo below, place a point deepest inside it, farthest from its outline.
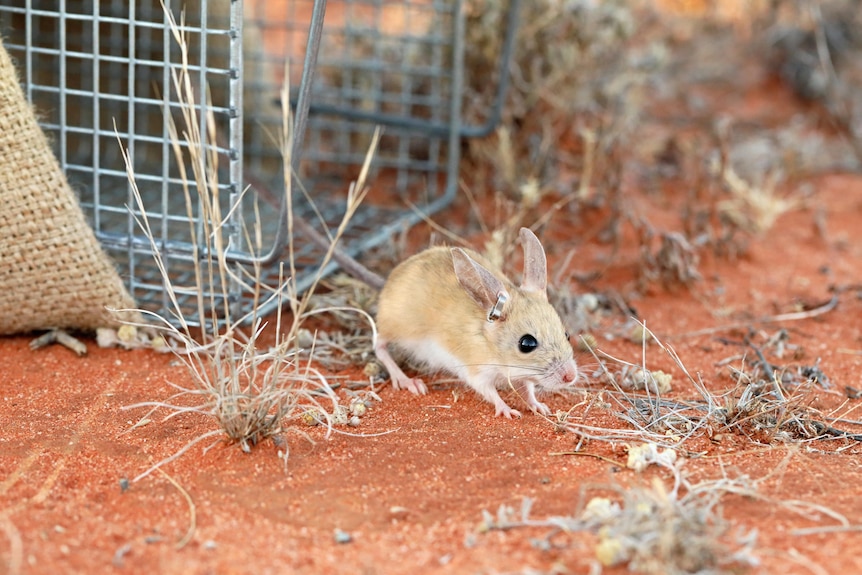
(497, 310)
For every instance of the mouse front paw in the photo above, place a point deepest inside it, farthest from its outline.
(507, 412)
(540, 408)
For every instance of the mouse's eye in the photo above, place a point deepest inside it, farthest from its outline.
(527, 343)
(568, 337)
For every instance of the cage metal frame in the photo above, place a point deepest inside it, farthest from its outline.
(134, 249)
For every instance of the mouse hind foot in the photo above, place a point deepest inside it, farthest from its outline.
(399, 379)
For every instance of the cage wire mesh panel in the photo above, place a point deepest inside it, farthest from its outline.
(379, 63)
(89, 66)
(96, 71)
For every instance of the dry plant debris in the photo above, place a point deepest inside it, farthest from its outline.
(63, 338)
(674, 262)
(815, 47)
(651, 528)
(768, 403)
(577, 75)
(251, 391)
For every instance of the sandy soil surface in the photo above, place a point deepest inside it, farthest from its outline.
(412, 498)
(405, 491)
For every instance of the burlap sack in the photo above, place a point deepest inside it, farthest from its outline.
(53, 274)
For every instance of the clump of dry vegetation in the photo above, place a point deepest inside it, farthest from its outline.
(250, 388)
(657, 528)
(673, 262)
(349, 342)
(815, 47)
(651, 528)
(588, 109)
(767, 402)
(578, 77)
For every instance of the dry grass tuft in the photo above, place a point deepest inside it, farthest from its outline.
(659, 529)
(815, 47)
(767, 403)
(656, 530)
(651, 528)
(250, 390)
(577, 76)
(673, 262)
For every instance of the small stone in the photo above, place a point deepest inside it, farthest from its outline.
(305, 338)
(159, 343)
(120, 554)
(106, 337)
(643, 455)
(600, 509)
(657, 381)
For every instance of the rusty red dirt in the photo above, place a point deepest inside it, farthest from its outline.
(411, 490)
(412, 498)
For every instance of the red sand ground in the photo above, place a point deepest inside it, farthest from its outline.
(412, 498)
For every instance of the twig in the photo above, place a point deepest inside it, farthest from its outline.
(795, 316)
(192, 511)
(185, 448)
(61, 337)
(15, 561)
(824, 429)
(827, 529)
(434, 225)
(596, 455)
(475, 207)
(767, 369)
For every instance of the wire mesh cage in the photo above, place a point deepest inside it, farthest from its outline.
(99, 71)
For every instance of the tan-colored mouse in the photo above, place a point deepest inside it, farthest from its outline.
(449, 310)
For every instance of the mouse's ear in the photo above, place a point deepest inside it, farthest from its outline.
(535, 263)
(481, 285)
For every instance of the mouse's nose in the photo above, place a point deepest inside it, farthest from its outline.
(570, 372)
